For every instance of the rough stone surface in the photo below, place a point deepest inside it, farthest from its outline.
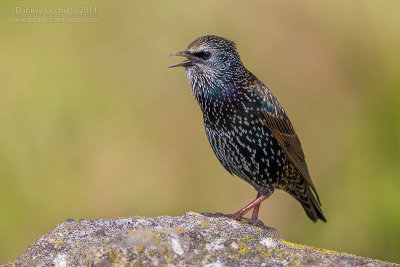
(188, 240)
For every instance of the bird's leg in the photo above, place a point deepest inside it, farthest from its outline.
(239, 215)
(256, 208)
(255, 204)
(263, 194)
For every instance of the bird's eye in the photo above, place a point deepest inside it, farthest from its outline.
(202, 54)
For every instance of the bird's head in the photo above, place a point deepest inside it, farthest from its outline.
(210, 58)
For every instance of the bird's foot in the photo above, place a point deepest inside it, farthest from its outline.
(233, 216)
(249, 221)
(213, 215)
(254, 222)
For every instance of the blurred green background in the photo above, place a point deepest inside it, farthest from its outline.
(93, 124)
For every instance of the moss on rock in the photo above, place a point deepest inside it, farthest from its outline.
(188, 240)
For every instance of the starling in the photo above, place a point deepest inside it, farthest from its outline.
(246, 125)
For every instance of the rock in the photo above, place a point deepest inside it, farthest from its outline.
(188, 240)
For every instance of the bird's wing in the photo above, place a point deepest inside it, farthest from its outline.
(274, 117)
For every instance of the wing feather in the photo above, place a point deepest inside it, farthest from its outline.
(274, 117)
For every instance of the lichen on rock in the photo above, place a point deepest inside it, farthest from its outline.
(188, 240)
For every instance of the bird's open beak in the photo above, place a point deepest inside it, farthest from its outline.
(184, 63)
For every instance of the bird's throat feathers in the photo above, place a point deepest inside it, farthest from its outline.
(216, 88)
(209, 93)
(212, 87)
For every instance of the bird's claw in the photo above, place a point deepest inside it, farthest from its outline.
(213, 215)
(254, 222)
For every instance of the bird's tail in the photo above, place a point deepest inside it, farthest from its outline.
(305, 195)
